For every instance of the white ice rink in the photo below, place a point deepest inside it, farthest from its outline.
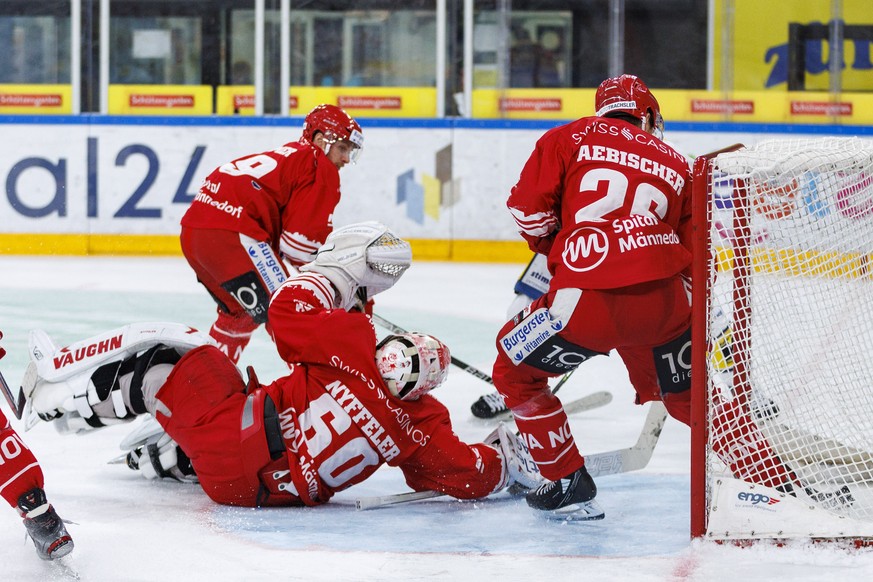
(129, 529)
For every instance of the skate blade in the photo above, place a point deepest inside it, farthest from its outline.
(588, 511)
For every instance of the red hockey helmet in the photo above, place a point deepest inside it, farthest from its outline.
(628, 94)
(412, 364)
(336, 125)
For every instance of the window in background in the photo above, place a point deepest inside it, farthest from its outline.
(35, 37)
(378, 48)
(156, 51)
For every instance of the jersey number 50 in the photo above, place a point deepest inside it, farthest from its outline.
(324, 426)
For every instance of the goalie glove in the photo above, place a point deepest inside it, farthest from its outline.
(155, 455)
(361, 260)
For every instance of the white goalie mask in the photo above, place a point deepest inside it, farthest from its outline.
(412, 364)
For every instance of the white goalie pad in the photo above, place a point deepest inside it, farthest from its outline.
(520, 468)
(58, 379)
(153, 454)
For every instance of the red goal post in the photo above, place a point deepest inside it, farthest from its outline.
(782, 341)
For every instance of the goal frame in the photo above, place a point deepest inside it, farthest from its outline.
(703, 254)
(700, 225)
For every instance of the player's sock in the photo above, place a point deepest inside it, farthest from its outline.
(230, 341)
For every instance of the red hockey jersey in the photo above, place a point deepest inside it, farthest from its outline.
(19, 470)
(285, 197)
(609, 203)
(339, 421)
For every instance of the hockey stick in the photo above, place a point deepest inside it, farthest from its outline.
(16, 401)
(394, 328)
(589, 402)
(633, 458)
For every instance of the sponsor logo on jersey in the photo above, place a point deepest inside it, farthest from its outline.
(641, 240)
(585, 249)
(204, 198)
(71, 356)
(337, 362)
(529, 334)
(266, 263)
(621, 129)
(294, 439)
(250, 294)
(208, 184)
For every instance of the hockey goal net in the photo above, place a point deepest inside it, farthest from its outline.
(782, 363)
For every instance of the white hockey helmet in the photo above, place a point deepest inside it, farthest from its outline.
(412, 364)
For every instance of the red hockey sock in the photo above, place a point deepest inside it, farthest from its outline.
(546, 431)
(232, 334)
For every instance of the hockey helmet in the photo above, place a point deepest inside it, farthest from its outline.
(412, 364)
(335, 125)
(628, 94)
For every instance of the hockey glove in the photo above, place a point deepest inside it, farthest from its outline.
(364, 256)
(161, 457)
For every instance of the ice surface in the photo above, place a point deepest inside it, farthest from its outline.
(129, 529)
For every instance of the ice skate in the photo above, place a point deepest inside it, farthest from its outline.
(568, 498)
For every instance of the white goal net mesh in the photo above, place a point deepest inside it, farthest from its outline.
(790, 340)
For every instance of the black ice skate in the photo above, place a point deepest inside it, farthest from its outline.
(490, 406)
(568, 498)
(45, 528)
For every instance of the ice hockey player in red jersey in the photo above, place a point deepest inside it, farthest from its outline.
(259, 217)
(348, 405)
(608, 202)
(21, 485)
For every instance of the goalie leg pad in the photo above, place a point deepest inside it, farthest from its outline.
(156, 455)
(521, 470)
(125, 388)
(54, 364)
(101, 380)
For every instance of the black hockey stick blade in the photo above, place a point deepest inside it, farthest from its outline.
(16, 400)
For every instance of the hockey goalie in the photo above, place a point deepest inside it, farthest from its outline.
(348, 405)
